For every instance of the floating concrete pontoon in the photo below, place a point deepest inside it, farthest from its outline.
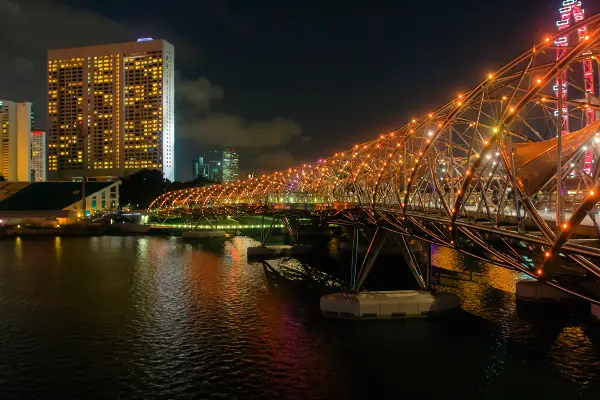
(539, 292)
(395, 304)
(203, 234)
(596, 311)
(260, 252)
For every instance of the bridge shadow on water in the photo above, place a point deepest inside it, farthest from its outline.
(517, 336)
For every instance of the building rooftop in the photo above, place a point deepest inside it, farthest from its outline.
(108, 48)
(44, 196)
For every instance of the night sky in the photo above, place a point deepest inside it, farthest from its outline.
(284, 82)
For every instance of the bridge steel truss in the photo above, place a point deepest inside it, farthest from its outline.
(487, 174)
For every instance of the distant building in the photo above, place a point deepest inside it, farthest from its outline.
(213, 170)
(209, 166)
(111, 110)
(231, 165)
(15, 137)
(37, 161)
(196, 169)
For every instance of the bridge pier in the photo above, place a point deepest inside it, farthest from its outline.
(387, 304)
(533, 291)
(264, 252)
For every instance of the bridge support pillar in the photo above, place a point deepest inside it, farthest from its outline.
(291, 225)
(375, 246)
(265, 235)
(596, 311)
(424, 280)
(390, 304)
(539, 292)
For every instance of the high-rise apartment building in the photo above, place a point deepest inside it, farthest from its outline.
(231, 165)
(15, 136)
(37, 160)
(111, 110)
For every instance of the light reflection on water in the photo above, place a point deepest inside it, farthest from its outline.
(566, 346)
(152, 317)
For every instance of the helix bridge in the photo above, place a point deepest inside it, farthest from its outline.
(507, 172)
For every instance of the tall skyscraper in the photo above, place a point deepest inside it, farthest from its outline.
(15, 132)
(111, 110)
(37, 161)
(231, 165)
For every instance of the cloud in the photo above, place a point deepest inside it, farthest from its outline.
(30, 32)
(23, 65)
(262, 145)
(197, 93)
(8, 7)
(276, 160)
(217, 129)
(224, 130)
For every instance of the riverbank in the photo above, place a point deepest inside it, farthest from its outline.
(79, 230)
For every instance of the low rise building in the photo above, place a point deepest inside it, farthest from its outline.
(48, 203)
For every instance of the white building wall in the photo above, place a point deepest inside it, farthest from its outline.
(168, 139)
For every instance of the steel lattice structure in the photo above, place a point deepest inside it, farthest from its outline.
(479, 174)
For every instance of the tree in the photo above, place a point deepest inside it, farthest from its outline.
(140, 189)
(199, 181)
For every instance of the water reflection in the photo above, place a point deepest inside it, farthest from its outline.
(57, 250)
(156, 317)
(570, 347)
(19, 251)
(488, 291)
(142, 249)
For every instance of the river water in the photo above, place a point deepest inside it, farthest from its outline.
(155, 317)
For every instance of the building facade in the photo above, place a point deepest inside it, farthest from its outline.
(15, 137)
(111, 110)
(37, 160)
(231, 165)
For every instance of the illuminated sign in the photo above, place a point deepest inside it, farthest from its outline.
(146, 39)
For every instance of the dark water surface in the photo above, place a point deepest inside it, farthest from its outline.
(150, 317)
